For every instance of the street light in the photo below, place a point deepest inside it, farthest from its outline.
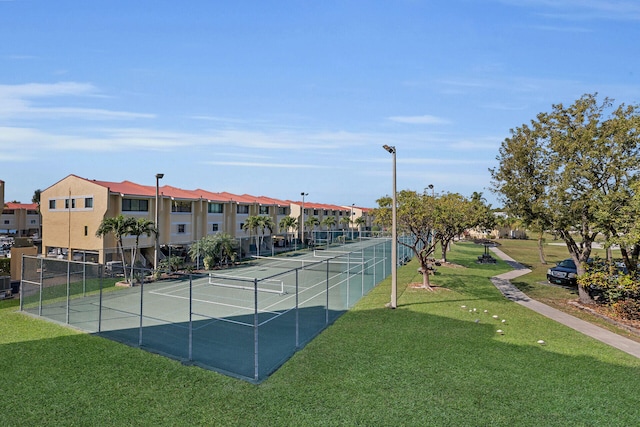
(159, 176)
(302, 222)
(351, 221)
(394, 235)
(430, 186)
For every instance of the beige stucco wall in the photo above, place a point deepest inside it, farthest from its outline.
(16, 260)
(74, 227)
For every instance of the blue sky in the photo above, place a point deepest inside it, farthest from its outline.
(278, 97)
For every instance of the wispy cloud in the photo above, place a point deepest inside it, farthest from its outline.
(19, 102)
(266, 165)
(573, 10)
(419, 120)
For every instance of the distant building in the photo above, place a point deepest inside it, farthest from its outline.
(20, 219)
(73, 208)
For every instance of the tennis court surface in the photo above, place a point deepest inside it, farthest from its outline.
(244, 321)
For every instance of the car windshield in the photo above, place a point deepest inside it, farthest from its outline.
(567, 263)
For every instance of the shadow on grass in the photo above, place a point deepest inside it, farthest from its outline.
(446, 370)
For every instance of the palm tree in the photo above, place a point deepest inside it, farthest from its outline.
(216, 249)
(312, 222)
(265, 223)
(138, 227)
(360, 221)
(118, 226)
(287, 224)
(329, 222)
(250, 224)
(346, 221)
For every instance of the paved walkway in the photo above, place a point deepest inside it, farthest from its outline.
(502, 282)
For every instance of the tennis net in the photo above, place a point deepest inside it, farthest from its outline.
(357, 266)
(244, 283)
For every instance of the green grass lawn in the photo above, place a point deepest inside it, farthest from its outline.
(535, 284)
(429, 362)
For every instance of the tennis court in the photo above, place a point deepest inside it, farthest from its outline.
(244, 321)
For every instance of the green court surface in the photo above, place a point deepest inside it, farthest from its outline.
(243, 321)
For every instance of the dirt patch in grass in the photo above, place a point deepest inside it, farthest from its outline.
(605, 313)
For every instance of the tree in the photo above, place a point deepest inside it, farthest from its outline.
(265, 223)
(312, 222)
(36, 197)
(453, 213)
(138, 227)
(416, 217)
(251, 224)
(329, 222)
(346, 221)
(118, 226)
(214, 250)
(571, 171)
(288, 224)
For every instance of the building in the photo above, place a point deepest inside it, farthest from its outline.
(20, 220)
(73, 209)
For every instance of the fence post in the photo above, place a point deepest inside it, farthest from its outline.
(297, 313)
(190, 317)
(326, 316)
(141, 298)
(68, 289)
(255, 330)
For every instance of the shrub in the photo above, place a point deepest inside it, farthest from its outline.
(5, 266)
(627, 309)
(608, 285)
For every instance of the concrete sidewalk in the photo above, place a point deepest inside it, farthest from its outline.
(503, 283)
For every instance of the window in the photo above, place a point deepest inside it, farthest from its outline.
(282, 210)
(326, 212)
(242, 209)
(86, 230)
(264, 210)
(73, 203)
(52, 204)
(216, 208)
(315, 211)
(66, 203)
(135, 205)
(33, 221)
(215, 227)
(88, 202)
(180, 206)
(181, 228)
(6, 221)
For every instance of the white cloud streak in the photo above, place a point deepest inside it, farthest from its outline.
(419, 120)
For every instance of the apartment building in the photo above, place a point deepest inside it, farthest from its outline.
(73, 208)
(20, 219)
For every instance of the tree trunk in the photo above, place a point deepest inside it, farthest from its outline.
(426, 283)
(444, 250)
(541, 249)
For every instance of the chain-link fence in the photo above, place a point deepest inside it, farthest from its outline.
(244, 321)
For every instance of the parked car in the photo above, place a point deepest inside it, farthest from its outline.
(564, 273)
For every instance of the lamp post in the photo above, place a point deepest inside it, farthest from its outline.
(159, 176)
(394, 235)
(431, 188)
(351, 222)
(302, 221)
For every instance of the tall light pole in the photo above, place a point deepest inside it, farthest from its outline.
(302, 221)
(159, 176)
(351, 220)
(394, 235)
(431, 188)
